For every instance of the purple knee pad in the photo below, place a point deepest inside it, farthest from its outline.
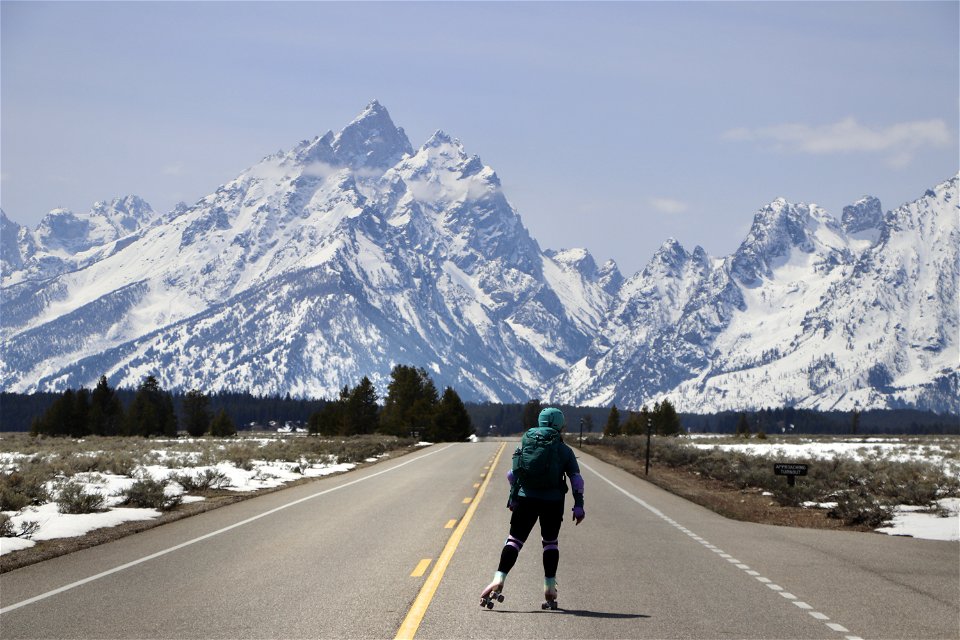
(516, 543)
(551, 545)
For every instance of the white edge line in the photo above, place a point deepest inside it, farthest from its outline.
(177, 547)
(792, 598)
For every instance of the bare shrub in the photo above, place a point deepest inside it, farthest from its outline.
(72, 497)
(148, 493)
(118, 463)
(860, 508)
(26, 529)
(241, 455)
(202, 481)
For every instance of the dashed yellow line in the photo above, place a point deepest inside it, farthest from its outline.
(419, 609)
(421, 568)
(450, 525)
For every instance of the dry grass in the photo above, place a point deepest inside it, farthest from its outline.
(748, 505)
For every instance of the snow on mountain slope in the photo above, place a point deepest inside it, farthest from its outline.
(353, 252)
(64, 241)
(807, 312)
(338, 259)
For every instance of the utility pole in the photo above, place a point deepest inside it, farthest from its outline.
(581, 432)
(649, 429)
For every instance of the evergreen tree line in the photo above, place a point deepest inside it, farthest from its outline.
(149, 413)
(18, 412)
(413, 407)
(791, 420)
(662, 420)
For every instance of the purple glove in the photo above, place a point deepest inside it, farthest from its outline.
(579, 514)
(510, 478)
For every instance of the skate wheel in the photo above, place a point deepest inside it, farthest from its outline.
(499, 597)
(490, 604)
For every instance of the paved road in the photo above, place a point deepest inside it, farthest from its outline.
(406, 545)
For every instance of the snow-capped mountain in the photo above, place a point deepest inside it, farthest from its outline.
(65, 240)
(340, 258)
(808, 312)
(353, 252)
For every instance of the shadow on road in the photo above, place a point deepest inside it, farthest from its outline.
(580, 613)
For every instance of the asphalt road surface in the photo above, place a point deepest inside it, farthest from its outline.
(403, 548)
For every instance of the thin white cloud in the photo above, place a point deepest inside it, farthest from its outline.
(668, 205)
(175, 169)
(899, 142)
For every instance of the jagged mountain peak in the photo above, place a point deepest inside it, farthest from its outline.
(127, 213)
(866, 214)
(371, 141)
(578, 259)
(670, 250)
(440, 137)
(64, 230)
(778, 229)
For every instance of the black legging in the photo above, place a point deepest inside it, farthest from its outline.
(526, 512)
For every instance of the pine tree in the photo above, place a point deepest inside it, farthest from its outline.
(410, 402)
(360, 412)
(151, 412)
(222, 426)
(612, 427)
(743, 426)
(56, 420)
(588, 423)
(79, 425)
(531, 413)
(666, 419)
(327, 420)
(106, 411)
(451, 422)
(635, 424)
(196, 411)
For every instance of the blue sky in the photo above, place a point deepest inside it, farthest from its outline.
(612, 126)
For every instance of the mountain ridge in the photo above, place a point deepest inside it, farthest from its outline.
(354, 251)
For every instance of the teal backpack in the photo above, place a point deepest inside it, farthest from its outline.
(536, 464)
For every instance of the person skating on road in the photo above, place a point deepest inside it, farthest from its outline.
(538, 485)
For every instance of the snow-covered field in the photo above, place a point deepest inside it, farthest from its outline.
(255, 475)
(908, 520)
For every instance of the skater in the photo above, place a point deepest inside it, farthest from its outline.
(537, 487)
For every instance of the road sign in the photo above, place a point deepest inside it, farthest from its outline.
(790, 470)
(784, 469)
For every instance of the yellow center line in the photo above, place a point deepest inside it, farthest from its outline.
(467, 500)
(419, 609)
(450, 525)
(421, 568)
